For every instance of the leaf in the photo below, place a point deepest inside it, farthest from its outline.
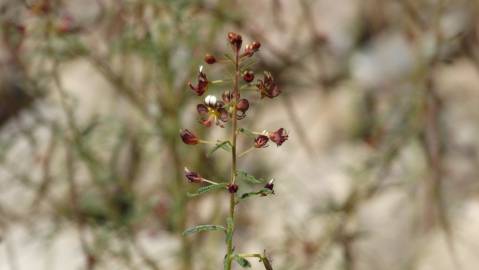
(225, 145)
(206, 189)
(250, 178)
(247, 132)
(242, 261)
(262, 192)
(202, 228)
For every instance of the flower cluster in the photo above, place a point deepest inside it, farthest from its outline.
(229, 109)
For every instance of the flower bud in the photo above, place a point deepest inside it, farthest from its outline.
(188, 137)
(255, 45)
(210, 59)
(193, 177)
(270, 185)
(232, 188)
(243, 105)
(279, 136)
(261, 141)
(248, 76)
(251, 48)
(235, 40)
(227, 96)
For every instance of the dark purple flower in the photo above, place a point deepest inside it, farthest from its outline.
(267, 87)
(193, 177)
(212, 111)
(232, 188)
(279, 136)
(188, 137)
(202, 84)
(261, 141)
(270, 185)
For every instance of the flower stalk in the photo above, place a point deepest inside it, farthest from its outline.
(228, 110)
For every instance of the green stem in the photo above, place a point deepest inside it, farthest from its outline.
(229, 254)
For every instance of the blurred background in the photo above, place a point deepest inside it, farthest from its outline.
(380, 99)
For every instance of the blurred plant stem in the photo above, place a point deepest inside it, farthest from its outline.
(234, 133)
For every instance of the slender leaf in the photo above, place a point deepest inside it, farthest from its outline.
(242, 261)
(262, 192)
(244, 176)
(247, 132)
(206, 189)
(225, 145)
(202, 228)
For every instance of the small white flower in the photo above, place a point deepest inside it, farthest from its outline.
(201, 68)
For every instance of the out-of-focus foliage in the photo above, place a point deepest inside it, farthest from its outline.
(379, 95)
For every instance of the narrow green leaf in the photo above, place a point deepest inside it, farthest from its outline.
(202, 228)
(247, 132)
(262, 192)
(206, 189)
(242, 261)
(225, 145)
(244, 176)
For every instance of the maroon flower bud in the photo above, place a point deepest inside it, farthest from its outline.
(279, 136)
(210, 59)
(248, 76)
(270, 185)
(243, 105)
(193, 177)
(267, 87)
(188, 137)
(255, 45)
(261, 141)
(235, 40)
(232, 188)
(251, 48)
(202, 84)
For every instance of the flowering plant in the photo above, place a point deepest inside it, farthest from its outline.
(230, 109)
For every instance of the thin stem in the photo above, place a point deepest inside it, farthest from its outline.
(229, 254)
(246, 151)
(210, 182)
